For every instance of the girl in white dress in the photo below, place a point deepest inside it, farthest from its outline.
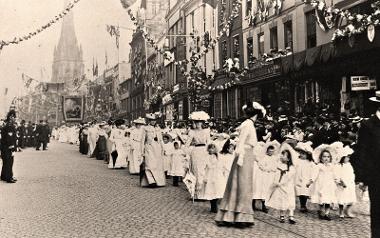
(178, 163)
(167, 149)
(227, 156)
(213, 181)
(304, 172)
(324, 181)
(264, 169)
(282, 195)
(346, 193)
(137, 146)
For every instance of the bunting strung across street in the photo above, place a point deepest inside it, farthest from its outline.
(196, 57)
(61, 15)
(27, 80)
(330, 17)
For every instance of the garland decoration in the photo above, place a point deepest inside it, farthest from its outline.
(61, 15)
(330, 17)
(262, 12)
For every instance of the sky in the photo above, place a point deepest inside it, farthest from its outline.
(34, 57)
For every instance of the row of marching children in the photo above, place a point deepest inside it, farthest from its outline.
(233, 171)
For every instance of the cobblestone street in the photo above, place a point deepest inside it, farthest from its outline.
(61, 193)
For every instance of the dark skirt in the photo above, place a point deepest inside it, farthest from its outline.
(101, 149)
(83, 145)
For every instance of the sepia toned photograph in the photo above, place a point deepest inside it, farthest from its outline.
(190, 118)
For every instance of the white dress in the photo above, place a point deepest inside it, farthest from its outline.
(226, 160)
(117, 138)
(93, 134)
(137, 150)
(214, 184)
(264, 169)
(345, 173)
(282, 196)
(167, 151)
(323, 190)
(304, 172)
(178, 163)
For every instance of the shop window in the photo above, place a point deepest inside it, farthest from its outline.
(273, 38)
(236, 46)
(311, 30)
(288, 34)
(250, 56)
(260, 39)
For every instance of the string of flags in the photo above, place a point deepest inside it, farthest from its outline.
(16, 40)
(204, 50)
(329, 17)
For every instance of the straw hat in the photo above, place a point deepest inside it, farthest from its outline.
(151, 116)
(199, 116)
(140, 121)
(275, 144)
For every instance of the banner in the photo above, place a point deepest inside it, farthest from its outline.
(73, 108)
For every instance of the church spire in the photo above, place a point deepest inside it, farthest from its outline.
(68, 62)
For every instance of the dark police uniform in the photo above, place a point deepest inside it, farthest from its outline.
(8, 147)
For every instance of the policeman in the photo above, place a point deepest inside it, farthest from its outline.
(8, 147)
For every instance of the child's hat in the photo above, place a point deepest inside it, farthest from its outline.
(305, 146)
(293, 153)
(324, 147)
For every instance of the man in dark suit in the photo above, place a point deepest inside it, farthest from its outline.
(42, 135)
(8, 147)
(367, 163)
(22, 135)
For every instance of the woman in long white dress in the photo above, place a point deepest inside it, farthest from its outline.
(236, 205)
(153, 174)
(198, 138)
(137, 146)
(117, 139)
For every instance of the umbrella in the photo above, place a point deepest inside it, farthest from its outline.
(190, 181)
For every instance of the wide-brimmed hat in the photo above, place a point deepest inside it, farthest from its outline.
(376, 98)
(304, 146)
(140, 121)
(151, 116)
(324, 147)
(293, 153)
(274, 143)
(282, 118)
(199, 116)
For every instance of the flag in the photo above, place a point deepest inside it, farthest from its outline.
(127, 3)
(5, 91)
(134, 7)
(106, 58)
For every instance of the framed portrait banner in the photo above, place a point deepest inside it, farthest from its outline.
(73, 108)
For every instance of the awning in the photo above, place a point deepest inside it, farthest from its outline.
(312, 55)
(287, 64)
(299, 60)
(327, 52)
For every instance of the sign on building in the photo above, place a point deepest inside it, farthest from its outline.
(362, 83)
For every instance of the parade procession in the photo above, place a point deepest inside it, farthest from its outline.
(190, 118)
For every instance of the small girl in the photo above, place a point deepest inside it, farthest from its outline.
(346, 193)
(264, 169)
(282, 195)
(178, 163)
(304, 171)
(167, 149)
(227, 158)
(213, 182)
(324, 181)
